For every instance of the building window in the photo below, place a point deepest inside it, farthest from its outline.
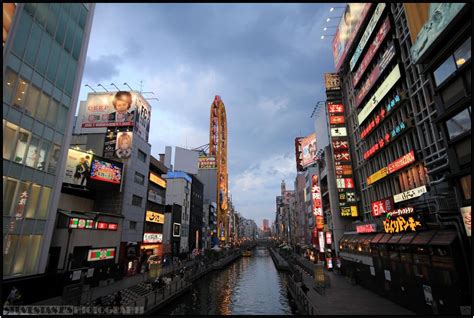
(137, 200)
(133, 225)
(139, 178)
(21, 145)
(20, 93)
(141, 156)
(454, 61)
(465, 183)
(459, 124)
(463, 54)
(9, 132)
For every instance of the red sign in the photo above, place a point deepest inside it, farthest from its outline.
(102, 226)
(314, 236)
(316, 197)
(335, 120)
(342, 156)
(401, 162)
(366, 228)
(338, 145)
(381, 207)
(319, 222)
(379, 145)
(345, 183)
(334, 108)
(113, 226)
(328, 238)
(343, 170)
(383, 31)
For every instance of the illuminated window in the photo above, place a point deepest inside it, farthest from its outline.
(33, 253)
(450, 65)
(11, 241)
(8, 195)
(32, 156)
(20, 93)
(9, 83)
(32, 203)
(463, 54)
(21, 145)
(42, 212)
(9, 133)
(32, 100)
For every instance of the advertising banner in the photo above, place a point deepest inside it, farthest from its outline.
(100, 254)
(142, 118)
(401, 211)
(387, 84)
(155, 217)
(410, 194)
(342, 156)
(110, 144)
(78, 164)
(298, 154)
(156, 179)
(382, 173)
(332, 81)
(109, 109)
(308, 146)
(366, 228)
(466, 217)
(349, 211)
(401, 224)
(347, 30)
(207, 163)
(345, 183)
(319, 222)
(381, 207)
(346, 197)
(379, 38)
(152, 238)
(368, 31)
(336, 120)
(335, 108)
(343, 170)
(321, 241)
(123, 145)
(339, 132)
(375, 74)
(426, 21)
(401, 162)
(316, 197)
(340, 145)
(381, 114)
(106, 171)
(77, 223)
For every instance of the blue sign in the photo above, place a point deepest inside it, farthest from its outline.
(178, 175)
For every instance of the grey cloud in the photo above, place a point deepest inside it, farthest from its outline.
(103, 68)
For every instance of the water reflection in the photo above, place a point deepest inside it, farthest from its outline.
(249, 286)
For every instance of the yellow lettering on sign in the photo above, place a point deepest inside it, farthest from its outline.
(157, 180)
(155, 217)
(400, 225)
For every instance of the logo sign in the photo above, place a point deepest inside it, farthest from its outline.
(381, 207)
(101, 254)
(152, 238)
(113, 226)
(366, 228)
(155, 217)
(332, 81)
(466, 217)
(338, 145)
(157, 180)
(336, 120)
(384, 88)
(176, 229)
(349, 211)
(319, 222)
(328, 238)
(347, 30)
(207, 163)
(342, 156)
(376, 43)
(343, 170)
(345, 183)
(102, 225)
(339, 132)
(316, 196)
(410, 194)
(382, 173)
(381, 115)
(347, 197)
(401, 162)
(368, 31)
(321, 241)
(77, 223)
(375, 74)
(308, 148)
(402, 211)
(401, 224)
(335, 108)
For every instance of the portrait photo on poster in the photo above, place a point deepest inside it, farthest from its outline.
(123, 145)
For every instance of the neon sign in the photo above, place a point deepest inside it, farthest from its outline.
(388, 137)
(384, 112)
(366, 228)
(400, 224)
(410, 194)
(381, 207)
(398, 212)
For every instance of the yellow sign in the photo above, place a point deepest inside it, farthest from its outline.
(157, 180)
(400, 225)
(319, 274)
(382, 173)
(353, 211)
(155, 217)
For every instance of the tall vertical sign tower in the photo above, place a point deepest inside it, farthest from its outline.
(218, 149)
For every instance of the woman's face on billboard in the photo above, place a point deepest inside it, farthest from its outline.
(121, 106)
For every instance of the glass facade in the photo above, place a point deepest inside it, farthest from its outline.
(42, 57)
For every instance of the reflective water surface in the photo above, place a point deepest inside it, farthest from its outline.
(249, 286)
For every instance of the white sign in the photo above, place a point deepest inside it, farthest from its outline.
(339, 132)
(391, 79)
(410, 194)
(466, 217)
(152, 238)
(387, 275)
(90, 272)
(428, 295)
(76, 275)
(372, 270)
(321, 241)
(368, 31)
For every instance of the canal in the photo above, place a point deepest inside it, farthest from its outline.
(249, 286)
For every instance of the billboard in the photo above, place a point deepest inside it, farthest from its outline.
(152, 237)
(410, 194)
(335, 108)
(100, 254)
(78, 165)
(142, 117)
(105, 174)
(376, 176)
(339, 132)
(186, 160)
(401, 162)
(155, 217)
(340, 145)
(426, 21)
(332, 82)
(381, 207)
(156, 179)
(373, 48)
(343, 170)
(384, 88)
(123, 145)
(298, 154)
(367, 33)
(308, 148)
(336, 120)
(347, 30)
(207, 162)
(467, 217)
(316, 197)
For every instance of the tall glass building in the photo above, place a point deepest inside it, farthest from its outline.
(44, 51)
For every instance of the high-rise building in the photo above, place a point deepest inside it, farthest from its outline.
(44, 52)
(265, 225)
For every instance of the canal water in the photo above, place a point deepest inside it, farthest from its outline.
(249, 286)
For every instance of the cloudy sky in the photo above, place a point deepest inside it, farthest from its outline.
(266, 61)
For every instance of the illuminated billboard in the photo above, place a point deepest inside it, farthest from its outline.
(78, 165)
(316, 197)
(298, 154)
(347, 30)
(410, 194)
(426, 21)
(401, 162)
(308, 148)
(155, 217)
(381, 207)
(339, 132)
(157, 180)
(99, 254)
(332, 81)
(105, 174)
(152, 237)
(207, 163)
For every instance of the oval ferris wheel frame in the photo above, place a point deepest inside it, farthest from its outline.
(218, 149)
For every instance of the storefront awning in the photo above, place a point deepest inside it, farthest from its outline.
(395, 238)
(385, 238)
(377, 238)
(74, 215)
(443, 237)
(422, 238)
(407, 238)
